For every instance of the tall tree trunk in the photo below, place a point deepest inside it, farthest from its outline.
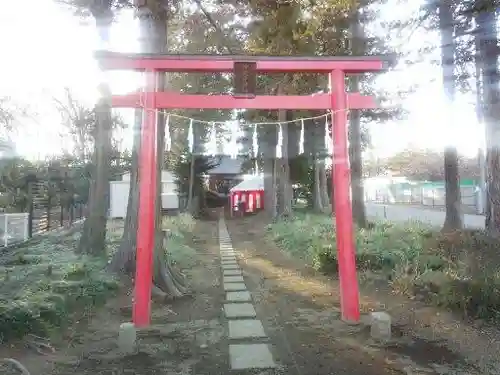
(483, 203)
(285, 203)
(317, 201)
(190, 203)
(453, 219)
(356, 163)
(167, 281)
(355, 151)
(488, 51)
(287, 189)
(275, 193)
(93, 239)
(123, 260)
(269, 191)
(318, 133)
(323, 188)
(268, 143)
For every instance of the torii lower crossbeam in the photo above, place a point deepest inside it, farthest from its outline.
(338, 101)
(293, 102)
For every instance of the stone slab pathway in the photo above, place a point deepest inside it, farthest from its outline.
(247, 347)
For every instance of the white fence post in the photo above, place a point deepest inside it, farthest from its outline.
(5, 233)
(479, 200)
(26, 218)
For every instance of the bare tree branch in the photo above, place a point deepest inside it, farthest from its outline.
(218, 29)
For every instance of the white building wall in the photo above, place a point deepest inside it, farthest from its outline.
(119, 191)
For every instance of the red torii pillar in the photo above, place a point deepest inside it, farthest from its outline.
(338, 101)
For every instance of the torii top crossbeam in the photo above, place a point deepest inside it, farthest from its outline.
(228, 63)
(225, 63)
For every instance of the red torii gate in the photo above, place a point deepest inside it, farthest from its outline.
(150, 99)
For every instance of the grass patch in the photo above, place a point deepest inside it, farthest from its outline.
(458, 271)
(178, 229)
(43, 283)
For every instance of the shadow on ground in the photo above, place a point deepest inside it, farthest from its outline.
(303, 316)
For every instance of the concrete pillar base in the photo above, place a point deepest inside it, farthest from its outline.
(127, 338)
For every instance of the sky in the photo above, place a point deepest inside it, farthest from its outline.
(44, 51)
(48, 49)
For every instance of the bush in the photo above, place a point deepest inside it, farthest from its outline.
(382, 247)
(458, 270)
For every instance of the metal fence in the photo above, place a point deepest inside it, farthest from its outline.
(421, 194)
(20, 227)
(44, 219)
(13, 228)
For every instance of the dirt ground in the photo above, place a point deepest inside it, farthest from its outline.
(302, 314)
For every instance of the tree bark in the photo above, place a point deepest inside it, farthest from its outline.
(453, 219)
(356, 164)
(274, 193)
(317, 201)
(191, 207)
(270, 198)
(493, 181)
(93, 239)
(267, 143)
(483, 198)
(167, 281)
(355, 151)
(487, 41)
(123, 260)
(325, 199)
(285, 203)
